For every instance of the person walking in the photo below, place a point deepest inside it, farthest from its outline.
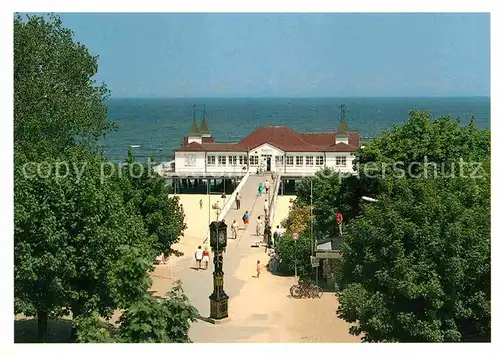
(238, 201)
(267, 186)
(206, 257)
(258, 227)
(266, 208)
(198, 256)
(245, 218)
(277, 235)
(258, 268)
(259, 190)
(234, 229)
(340, 220)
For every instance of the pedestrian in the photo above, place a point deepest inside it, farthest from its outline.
(198, 256)
(201, 204)
(182, 211)
(246, 218)
(258, 268)
(340, 220)
(259, 226)
(259, 190)
(277, 236)
(206, 257)
(267, 185)
(234, 229)
(267, 236)
(238, 201)
(266, 208)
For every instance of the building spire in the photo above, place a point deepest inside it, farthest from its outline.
(342, 129)
(194, 127)
(204, 126)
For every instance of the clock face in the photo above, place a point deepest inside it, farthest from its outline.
(222, 238)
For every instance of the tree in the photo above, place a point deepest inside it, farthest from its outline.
(90, 329)
(147, 192)
(298, 219)
(57, 106)
(83, 241)
(416, 265)
(159, 321)
(76, 247)
(149, 320)
(291, 252)
(326, 189)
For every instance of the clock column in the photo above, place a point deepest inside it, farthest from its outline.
(219, 298)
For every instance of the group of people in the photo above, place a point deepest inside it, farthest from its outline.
(265, 186)
(201, 257)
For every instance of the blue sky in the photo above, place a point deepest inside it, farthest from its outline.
(303, 55)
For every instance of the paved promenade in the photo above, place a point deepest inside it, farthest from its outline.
(260, 309)
(198, 285)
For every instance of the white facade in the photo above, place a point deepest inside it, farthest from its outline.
(266, 157)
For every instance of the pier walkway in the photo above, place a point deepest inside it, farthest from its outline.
(260, 309)
(198, 284)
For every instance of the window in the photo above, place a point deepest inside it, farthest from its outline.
(190, 160)
(210, 160)
(233, 160)
(254, 160)
(243, 160)
(320, 160)
(221, 160)
(340, 161)
(309, 160)
(278, 160)
(289, 160)
(299, 160)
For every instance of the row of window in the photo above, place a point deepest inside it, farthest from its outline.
(254, 160)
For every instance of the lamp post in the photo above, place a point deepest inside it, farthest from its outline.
(219, 298)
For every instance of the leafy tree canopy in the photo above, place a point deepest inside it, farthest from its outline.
(58, 108)
(416, 265)
(149, 320)
(84, 240)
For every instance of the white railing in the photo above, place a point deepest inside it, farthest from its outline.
(230, 201)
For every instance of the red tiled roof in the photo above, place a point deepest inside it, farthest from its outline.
(209, 147)
(318, 138)
(282, 138)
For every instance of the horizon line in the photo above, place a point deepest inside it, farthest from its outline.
(304, 97)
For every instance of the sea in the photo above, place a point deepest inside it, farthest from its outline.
(153, 127)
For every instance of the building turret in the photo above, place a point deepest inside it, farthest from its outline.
(342, 130)
(206, 135)
(194, 133)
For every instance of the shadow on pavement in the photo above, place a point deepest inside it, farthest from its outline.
(58, 331)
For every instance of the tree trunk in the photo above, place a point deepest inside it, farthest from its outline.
(42, 326)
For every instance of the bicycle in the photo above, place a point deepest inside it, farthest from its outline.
(304, 289)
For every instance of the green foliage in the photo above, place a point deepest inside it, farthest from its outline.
(326, 189)
(153, 320)
(298, 219)
(83, 243)
(90, 329)
(57, 106)
(146, 192)
(299, 251)
(416, 265)
(76, 245)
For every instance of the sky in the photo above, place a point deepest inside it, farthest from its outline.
(288, 55)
